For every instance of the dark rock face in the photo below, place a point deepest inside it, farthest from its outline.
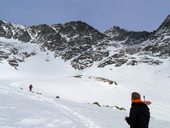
(22, 35)
(5, 30)
(132, 62)
(77, 41)
(111, 60)
(13, 63)
(129, 37)
(160, 40)
(163, 49)
(97, 103)
(82, 29)
(84, 45)
(153, 44)
(166, 23)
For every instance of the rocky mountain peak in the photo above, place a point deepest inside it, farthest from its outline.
(163, 31)
(127, 37)
(114, 31)
(168, 17)
(5, 29)
(165, 24)
(80, 25)
(158, 43)
(1, 22)
(75, 28)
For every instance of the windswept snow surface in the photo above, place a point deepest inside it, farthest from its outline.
(53, 77)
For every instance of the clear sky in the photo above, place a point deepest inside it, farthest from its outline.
(101, 14)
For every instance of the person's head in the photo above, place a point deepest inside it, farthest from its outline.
(135, 96)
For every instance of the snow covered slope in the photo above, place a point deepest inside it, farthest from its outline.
(22, 109)
(58, 79)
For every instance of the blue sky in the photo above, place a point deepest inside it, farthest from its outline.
(137, 15)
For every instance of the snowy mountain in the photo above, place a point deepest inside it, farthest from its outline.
(74, 41)
(83, 45)
(81, 65)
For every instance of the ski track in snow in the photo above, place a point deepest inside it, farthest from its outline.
(73, 115)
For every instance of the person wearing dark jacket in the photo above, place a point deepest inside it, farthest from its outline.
(139, 115)
(30, 87)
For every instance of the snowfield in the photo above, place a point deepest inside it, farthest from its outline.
(53, 77)
(22, 109)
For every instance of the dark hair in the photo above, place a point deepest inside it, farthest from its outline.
(135, 95)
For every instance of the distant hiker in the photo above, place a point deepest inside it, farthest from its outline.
(30, 87)
(139, 115)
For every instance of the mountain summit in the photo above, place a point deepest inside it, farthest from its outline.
(166, 23)
(129, 37)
